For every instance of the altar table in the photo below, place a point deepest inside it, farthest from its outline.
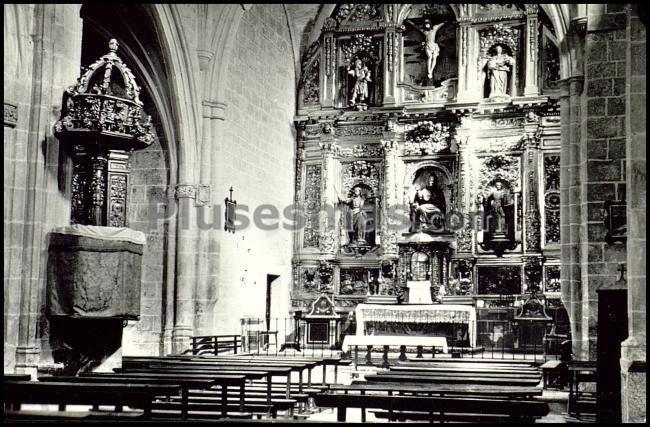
(394, 340)
(417, 313)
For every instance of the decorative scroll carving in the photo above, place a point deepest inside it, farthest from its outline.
(110, 106)
(117, 201)
(533, 273)
(355, 281)
(551, 63)
(552, 282)
(499, 280)
(498, 34)
(325, 275)
(185, 191)
(427, 138)
(10, 114)
(352, 12)
(309, 280)
(533, 236)
(312, 204)
(361, 150)
(552, 198)
(361, 171)
(360, 130)
(500, 167)
(311, 84)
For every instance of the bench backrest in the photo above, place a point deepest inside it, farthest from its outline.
(515, 408)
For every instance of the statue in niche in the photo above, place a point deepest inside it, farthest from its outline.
(357, 219)
(500, 69)
(431, 48)
(361, 74)
(499, 216)
(427, 206)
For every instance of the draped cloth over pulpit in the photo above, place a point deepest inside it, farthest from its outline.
(417, 313)
(94, 272)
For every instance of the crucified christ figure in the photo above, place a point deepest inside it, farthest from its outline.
(431, 48)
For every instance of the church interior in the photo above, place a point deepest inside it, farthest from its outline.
(325, 212)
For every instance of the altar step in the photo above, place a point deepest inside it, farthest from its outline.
(381, 299)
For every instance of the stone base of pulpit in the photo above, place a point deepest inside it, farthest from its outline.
(419, 292)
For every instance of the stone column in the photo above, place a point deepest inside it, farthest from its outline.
(391, 55)
(465, 200)
(185, 267)
(532, 241)
(389, 198)
(531, 43)
(466, 63)
(210, 217)
(565, 208)
(328, 70)
(328, 242)
(633, 349)
(580, 340)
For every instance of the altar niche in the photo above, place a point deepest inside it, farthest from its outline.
(359, 218)
(428, 203)
(359, 71)
(429, 36)
(498, 208)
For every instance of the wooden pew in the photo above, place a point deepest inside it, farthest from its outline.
(515, 410)
(297, 366)
(511, 392)
(251, 372)
(462, 373)
(185, 382)
(392, 376)
(64, 393)
(265, 370)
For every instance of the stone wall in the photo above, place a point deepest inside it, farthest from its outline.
(42, 50)
(602, 154)
(633, 351)
(148, 187)
(254, 155)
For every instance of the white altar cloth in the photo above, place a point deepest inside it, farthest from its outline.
(349, 341)
(417, 313)
(419, 292)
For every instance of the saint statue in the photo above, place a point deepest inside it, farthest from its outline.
(362, 75)
(431, 48)
(498, 202)
(358, 214)
(427, 206)
(499, 68)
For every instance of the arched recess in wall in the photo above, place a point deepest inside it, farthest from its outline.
(155, 170)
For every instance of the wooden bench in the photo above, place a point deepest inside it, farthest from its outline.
(458, 373)
(511, 392)
(581, 401)
(271, 369)
(251, 372)
(554, 374)
(119, 395)
(45, 415)
(448, 379)
(516, 410)
(185, 381)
